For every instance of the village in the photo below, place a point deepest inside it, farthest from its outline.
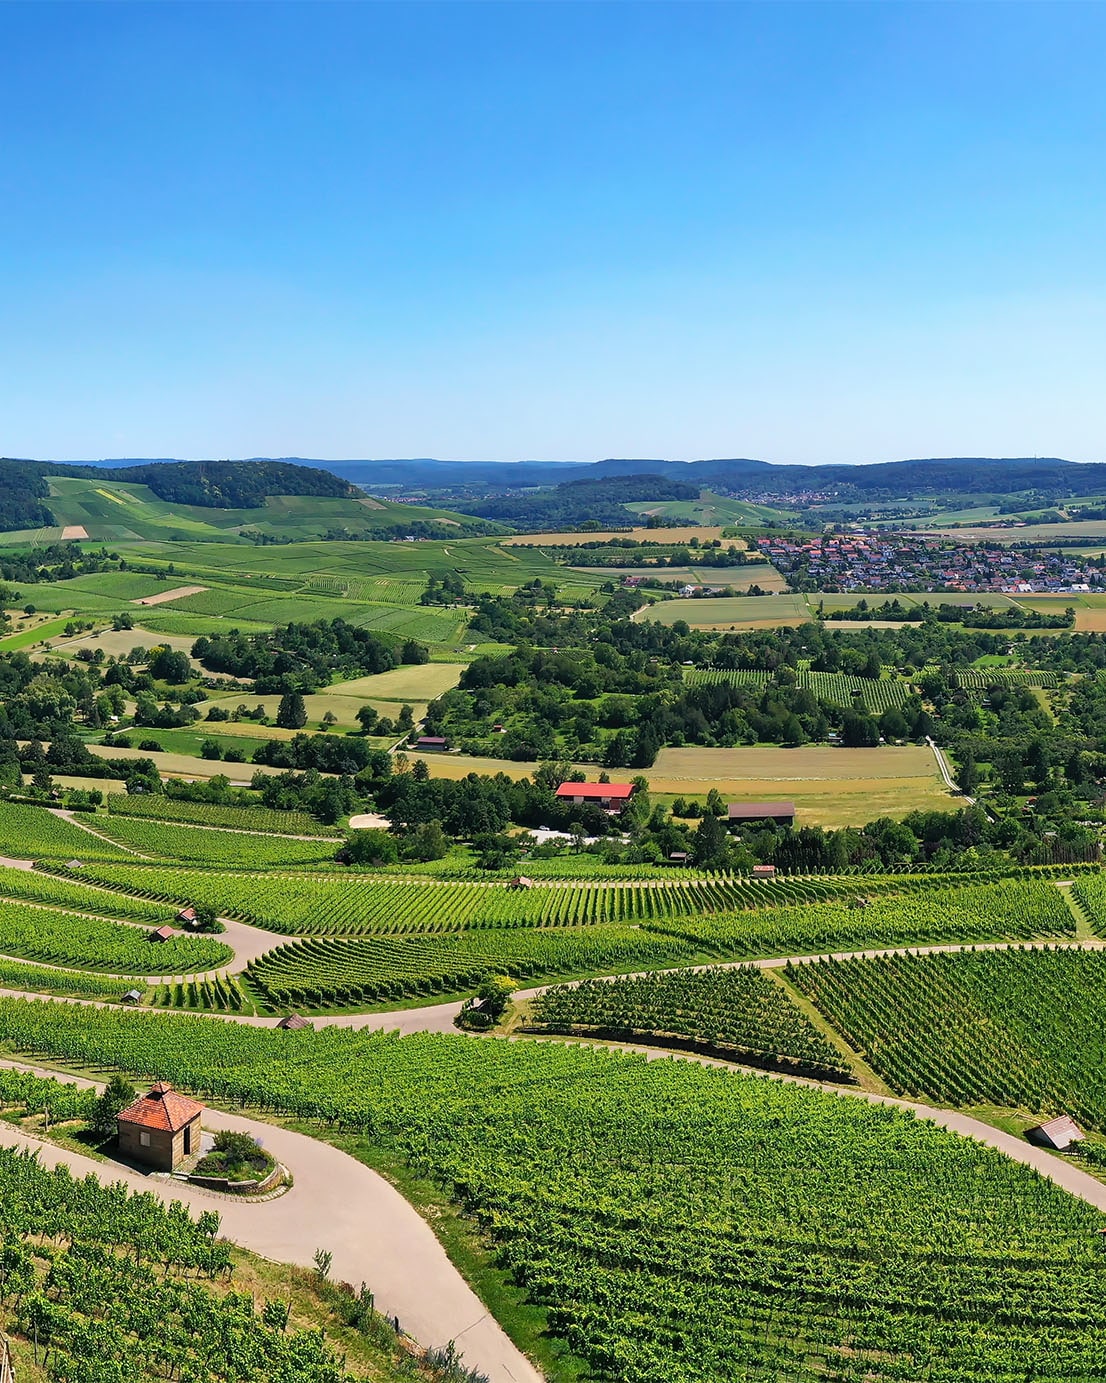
(872, 561)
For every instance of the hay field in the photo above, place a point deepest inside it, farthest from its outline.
(829, 786)
(740, 612)
(420, 682)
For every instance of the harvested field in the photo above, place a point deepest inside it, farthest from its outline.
(722, 612)
(177, 593)
(417, 682)
(74, 530)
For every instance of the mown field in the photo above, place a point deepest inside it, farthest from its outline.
(725, 612)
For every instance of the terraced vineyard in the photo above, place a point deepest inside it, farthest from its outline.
(677, 1222)
(1090, 890)
(201, 845)
(349, 904)
(740, 1014)
(1021, 1028)
(86, 943)
(838, 688)
(346, 974)
(221, 994)
(33, 833)
(69, 983)
(262, 819)
(39, 887)
(1011, 908)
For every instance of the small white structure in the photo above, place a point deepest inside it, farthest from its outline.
(1057, 1134)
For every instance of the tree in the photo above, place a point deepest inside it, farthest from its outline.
(117, 1095)
(291, 713)
(169, 665)
(373, 847)
(367, 718)
(710, 843)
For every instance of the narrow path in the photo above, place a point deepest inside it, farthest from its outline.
(63, 815)
(943, 769)
(338, 1204)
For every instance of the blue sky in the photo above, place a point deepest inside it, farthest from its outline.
(565, 231)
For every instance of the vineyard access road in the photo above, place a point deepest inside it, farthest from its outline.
(340, 1205)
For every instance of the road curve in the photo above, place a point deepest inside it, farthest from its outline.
(341, 1205)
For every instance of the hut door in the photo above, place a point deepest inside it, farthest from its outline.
(188, 1140)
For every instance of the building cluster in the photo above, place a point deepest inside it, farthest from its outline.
(875, 561)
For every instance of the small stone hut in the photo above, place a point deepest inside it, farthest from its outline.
(161, 1129)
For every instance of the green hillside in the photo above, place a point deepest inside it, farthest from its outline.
(118, 512)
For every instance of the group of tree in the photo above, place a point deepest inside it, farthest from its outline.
(304, 657)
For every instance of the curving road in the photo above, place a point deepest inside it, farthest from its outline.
(341, 1205)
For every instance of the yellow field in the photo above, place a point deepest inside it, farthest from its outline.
(735, 611)
(420, 682)
(830, 787)
(666, 536)
(316, 704)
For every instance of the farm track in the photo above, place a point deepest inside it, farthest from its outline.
(71, 817)
(337, 1203)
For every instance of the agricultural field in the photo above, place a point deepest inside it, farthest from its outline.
(413, 683)
(1022, 1029)
(830, 786)
(757, 1230)
(35, 932)
(668, 537)
(354, 973)
(33, 833)
(726, 612)
(838, 688)
(69, 894)
(740, 1014)
(211, 814)
(234, 849)
(710, 508)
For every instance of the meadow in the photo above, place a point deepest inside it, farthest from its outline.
(725, 612)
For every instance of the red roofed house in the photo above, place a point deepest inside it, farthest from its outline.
(612, 797)
(1058, 1134)
(161, 1128)
(187, 914)
(162, 934)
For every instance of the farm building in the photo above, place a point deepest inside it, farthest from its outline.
(162, 934)
(436, 744)
(744, 813)
(187, 914)
(678, 857)
(160, 1129)
(764, 871)
(1058, 1134)
(293, 1023)
(521, 881)
(132, 996)
(612, 797)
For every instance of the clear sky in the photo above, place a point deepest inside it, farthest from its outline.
(563, 231)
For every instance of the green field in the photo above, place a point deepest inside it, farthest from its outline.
(710, 508)
(740, 612)
(677, 1222)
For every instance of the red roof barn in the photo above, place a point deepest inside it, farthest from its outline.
(612, 797)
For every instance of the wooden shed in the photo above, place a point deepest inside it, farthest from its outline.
(294, 1022)
(521, 881)
(1058, 1134)
(162, 934)
(161, 1129)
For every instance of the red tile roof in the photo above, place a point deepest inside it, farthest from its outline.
(162, 934)
(615, 791)
(162, 1108)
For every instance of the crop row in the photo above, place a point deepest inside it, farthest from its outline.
(673, 1222)
(265, 819)
(838, 688)
(37, 886)
(349, 904)
(1020, 1028)
(979, 679)
(34, 833)
(220, 994)
(323, 973)
(86, 943)
(213, 846)
(738, 1012)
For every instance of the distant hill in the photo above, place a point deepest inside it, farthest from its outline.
(602, 500)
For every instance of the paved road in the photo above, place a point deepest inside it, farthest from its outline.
(338, 1204)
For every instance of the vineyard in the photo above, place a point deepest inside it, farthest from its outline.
(980, 679)
(73, 984)
(675, 1222)
(39, 887)
(345, 974)
(836, 688)
(1090, 890)
(106, 1285)
(202, 845)
(740, 1014)
(86, 943)
(33, 833)
(1020, 1028)
(220, 994)
(264, 819)
(309, 904)
(1011, 908)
